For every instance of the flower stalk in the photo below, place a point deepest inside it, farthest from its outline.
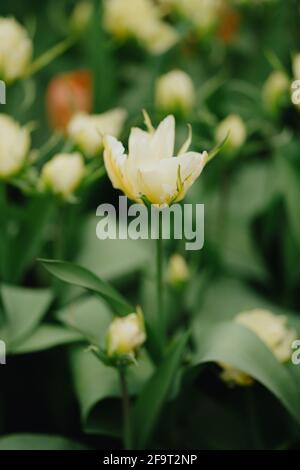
(159, 281)
(127, 432)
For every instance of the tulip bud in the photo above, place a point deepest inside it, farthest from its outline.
(275, 90)
(63, 173)
(14, 146)
(68, 94)
(125, 335)
(175, 92)
(15, 50)
(178, 271)
(87, 131)
(234, 127)
(272, 330)
(81, 16)
(296, 66)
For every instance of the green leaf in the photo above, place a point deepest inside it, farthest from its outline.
(98, 390)
(24, 309)
(81, 277)
(111, 259)
(90, 316)
(38, 442)
(238, 346)
(154, 394)
(46, 337)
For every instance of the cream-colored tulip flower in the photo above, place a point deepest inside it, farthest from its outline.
(296, 66)
(139, 19)
(63, 173)
(178, 271)
(150, 170)
(14, 146)
(15, 50)
(175, 91)
(126, 334)
(203, 14)
(272, 330)
(275, 89)
(234, 127)
(87, 131)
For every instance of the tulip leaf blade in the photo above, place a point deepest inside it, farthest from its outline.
(236, 345)
(82, 277)
(217, 149)
(155, 392)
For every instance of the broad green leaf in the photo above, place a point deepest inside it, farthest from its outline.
(97, 388)
(238, 346)
(111, 259)
(38, 442)
(24, 309)
(31, 236)
(81, 277)
(89, 316)
(46, 337)
(155, 393)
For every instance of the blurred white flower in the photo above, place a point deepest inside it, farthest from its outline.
(275, 89)
(63, 173)
(296, 66)
(203, 14)
(150, 170)
(139, 19)
(15, 50)
(14, 146)
(272, 330)
(178, 270)
(125, 335)
(234, 127)
(175, 91)
(87, 131)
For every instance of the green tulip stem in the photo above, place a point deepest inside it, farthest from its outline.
(159, 279)
(126, 409)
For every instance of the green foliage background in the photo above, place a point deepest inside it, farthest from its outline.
(51, 385)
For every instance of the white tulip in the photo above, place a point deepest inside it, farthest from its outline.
(178, 271)
(296, 66)
(175, 91)
(139, 19)
(234, 127)
(150, 170)
(272, 330)
(15, 49)
(275, 89)
(126, 334)
(63, 173)
(14, 146)
(87, 131)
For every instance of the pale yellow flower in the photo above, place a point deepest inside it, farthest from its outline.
(234, 127)
(15, 50)
(203, 14)
(87, 131)
(178, 270)
(126, 334)
(63, 173)
(272, 330)
(175, 91)
(275, 89)
(150, 170)
(14, 146)
(296, 66)
(139, 19)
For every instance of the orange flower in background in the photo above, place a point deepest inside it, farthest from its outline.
(229, 25)
(66, 95)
